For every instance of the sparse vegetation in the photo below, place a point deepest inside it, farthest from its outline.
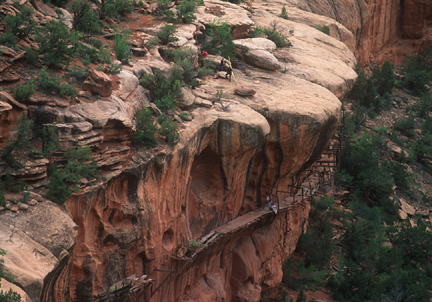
(121, 46)
(84, 18)
(24, 91)
(146, 128)
(169, 130)
(52, 85)
(166, 34)
(222, 42)
(323, 28)
(20, 141)
(283, 13)
(21, 25)
(54, 40)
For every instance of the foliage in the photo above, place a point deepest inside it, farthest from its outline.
(372, 181)
(89, 54)
(193, 245)
(58, 190)
(21, 25)
(186, 10)
(424, 106)
(365, 93)
(384, 78)
(79, 164)
(417, 72)
(184, 116)
(151, 43)
(50, 141)
(163, 9)
(20, 141)
(160, 87)
(301, 296)
(115, 8)
(272, 34)
(79, 74)
(121, 46)
(166, 103)
(323, 28)
(24, 91)
(54, 40)
(184, 70)
(2, 199)
(166, 34)
(283, 13)
(146, 128)
(222, 42)
(315, 245)
(52, 85)
(84, 18)
(169, 130)
(405, 125)
(59, 3)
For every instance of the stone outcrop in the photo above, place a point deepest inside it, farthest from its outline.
(99, 83)
(255, 52)
(36, 242)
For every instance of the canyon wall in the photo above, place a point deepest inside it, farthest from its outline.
(146, 204)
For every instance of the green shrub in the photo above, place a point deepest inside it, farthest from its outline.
(186, 10)
(221, 42)
(169, 130)
(79, 74)
(365, 93)
(35, 153)
(115, 8)
(52, 85)
(165, 103)
(159, 86)
(59, 3)
(84, 18)
(151, 43)
(417, 72)
(2, 200)
(50, 141)
(54, 40)
(24, 91)
(283, 13)
(31, 56)
(323, 28)
(424, 106)
(20, 141)
(184, 58)
(422, 149)
(405, 126)
(121, 46)
(146, 128)
(184, 116)
(163, 9)
(58, 190)
(384, 78)
(21, 25)
(272, 34)
(79, 164)
(166, 34)
(92, 54)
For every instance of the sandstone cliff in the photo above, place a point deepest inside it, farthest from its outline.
(147, 204)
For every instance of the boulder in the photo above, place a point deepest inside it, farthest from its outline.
(203, 103)
(99, 83)
(66, 17)
(245, 90)
(5, 106)
(407, 208)
(187, 100)
(138, 52)
(255, 55)
(45, 9)
(6, 97)
(128, 83)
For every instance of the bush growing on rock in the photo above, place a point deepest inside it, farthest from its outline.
(52, 85)
(54, 40)
(272, 34)
(384, 78)
(186, 10)
(84, 18)
(79, 164)
(417, 71)
(165, 103)
(58, 190)
(21, 25)
(159, 86)
(166, 34)
(222, 42)
(121, 46)
(50, 141)
(323, 28)
(283, 13)
(24, 91)
(169, 130)
(20, 141)
(146, 128)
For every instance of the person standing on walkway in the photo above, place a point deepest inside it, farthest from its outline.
(268, 207)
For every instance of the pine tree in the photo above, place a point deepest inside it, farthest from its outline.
(146, 128)
(20, 141)
(283, 13)
(301, 296)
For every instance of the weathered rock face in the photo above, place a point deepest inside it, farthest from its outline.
(37, 244)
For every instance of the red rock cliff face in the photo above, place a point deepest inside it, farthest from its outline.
(383, 29)
(134, 223)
